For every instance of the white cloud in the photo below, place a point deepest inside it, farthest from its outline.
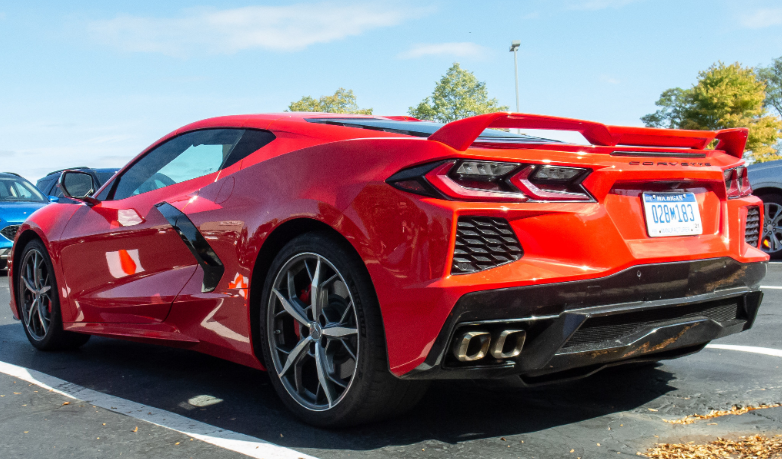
(458, 49)
(762, 18)
(278, 28)
(609, 79)
(599, 4)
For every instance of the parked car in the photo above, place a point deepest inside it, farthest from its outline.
(18, 200)
(49, 184)
(766, 181)
(359, 257)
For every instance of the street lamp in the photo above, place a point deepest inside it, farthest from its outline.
(514, 48)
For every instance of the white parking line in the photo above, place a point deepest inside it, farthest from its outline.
(753, 349)
(226, 439)
(770, 287)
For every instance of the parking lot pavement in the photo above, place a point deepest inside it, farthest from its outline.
(616, 411)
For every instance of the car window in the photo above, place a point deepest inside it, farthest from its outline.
(104, 176)
(186, 157)
(18, 189)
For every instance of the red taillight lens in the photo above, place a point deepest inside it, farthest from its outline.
(493, 181)
(737, 182)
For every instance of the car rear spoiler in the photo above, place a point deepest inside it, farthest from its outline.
(460, 134)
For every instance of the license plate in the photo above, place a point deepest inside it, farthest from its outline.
(672, 214)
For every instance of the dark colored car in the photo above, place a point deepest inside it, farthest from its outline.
(766, 180)
(48, 184)
(18, 199)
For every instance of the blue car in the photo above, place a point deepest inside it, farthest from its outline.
(18, 199)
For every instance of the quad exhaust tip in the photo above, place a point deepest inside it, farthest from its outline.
(474, 345)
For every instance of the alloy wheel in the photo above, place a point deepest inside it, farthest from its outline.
(36, 291)
(312, 331)
(771, 241)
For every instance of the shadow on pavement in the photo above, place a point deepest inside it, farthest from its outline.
(451, 412)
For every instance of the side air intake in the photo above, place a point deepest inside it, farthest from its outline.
(752, 229)
(483, 243)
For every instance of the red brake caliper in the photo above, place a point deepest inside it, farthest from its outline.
(305, 297)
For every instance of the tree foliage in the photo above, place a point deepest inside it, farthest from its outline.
(772, 76)
(726, 96)
(457, 95)
(343, 101)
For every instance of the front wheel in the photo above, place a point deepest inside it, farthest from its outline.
(39, 302)
(323, 338)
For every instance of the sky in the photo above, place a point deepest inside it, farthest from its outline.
(93, 83)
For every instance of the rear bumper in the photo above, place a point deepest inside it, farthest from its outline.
(641, 313)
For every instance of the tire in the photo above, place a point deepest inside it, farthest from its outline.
(771, 233)
(36, 285)
(352, 384)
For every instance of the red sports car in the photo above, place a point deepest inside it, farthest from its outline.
(357, 257)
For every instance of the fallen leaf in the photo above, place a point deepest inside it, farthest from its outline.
(651, 409)
(572, 451)
(66, 403)
(135, 430)
(26, 431)
(176, 443)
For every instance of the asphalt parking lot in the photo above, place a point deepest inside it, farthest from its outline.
(618, 412)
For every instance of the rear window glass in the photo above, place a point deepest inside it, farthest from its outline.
(426, 128)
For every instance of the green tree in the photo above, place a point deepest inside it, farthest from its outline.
(726, 96)
(343, 101)
(772, 76)
(457, 95)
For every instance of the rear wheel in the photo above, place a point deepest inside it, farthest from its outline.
(323, 337)
(39, 302)
(771, 239)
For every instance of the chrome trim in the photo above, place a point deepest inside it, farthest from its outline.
(462, 345)
(499, 345)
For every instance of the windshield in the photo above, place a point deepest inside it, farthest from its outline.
(427, 128)
(17, 189)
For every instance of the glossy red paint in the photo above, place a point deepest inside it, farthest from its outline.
(137, 280)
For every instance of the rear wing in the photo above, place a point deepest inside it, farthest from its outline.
(460, 134)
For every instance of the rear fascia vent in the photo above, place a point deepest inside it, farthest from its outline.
(483, 243)
(752, 228)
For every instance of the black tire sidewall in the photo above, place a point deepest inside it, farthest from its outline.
(371, 337)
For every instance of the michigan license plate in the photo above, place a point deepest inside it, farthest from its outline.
(672, 214)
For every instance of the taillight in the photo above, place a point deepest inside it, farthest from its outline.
(494, 181)
(737, 182)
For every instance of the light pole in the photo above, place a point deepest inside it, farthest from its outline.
(514, 48)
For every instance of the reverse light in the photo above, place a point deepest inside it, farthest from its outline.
(737, 182)
(475, 180)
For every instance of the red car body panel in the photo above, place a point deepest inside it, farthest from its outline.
(140, 282)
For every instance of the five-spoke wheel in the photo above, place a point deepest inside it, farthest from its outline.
(323, 339)
(771, 239)
(39, 302)
(36, 291)
(312, 330)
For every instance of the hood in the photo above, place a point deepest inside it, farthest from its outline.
(17, 212)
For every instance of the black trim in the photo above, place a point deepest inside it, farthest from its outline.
(552, 313)
(194, 240)
(658, 154)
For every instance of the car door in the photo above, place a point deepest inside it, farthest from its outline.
(122, 260)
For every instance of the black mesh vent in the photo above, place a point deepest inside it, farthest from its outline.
(483, 243)
(601, 332)
(9, 232)
(752, 230)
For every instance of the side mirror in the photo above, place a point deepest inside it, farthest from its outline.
(54, 199)
(78, 185)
